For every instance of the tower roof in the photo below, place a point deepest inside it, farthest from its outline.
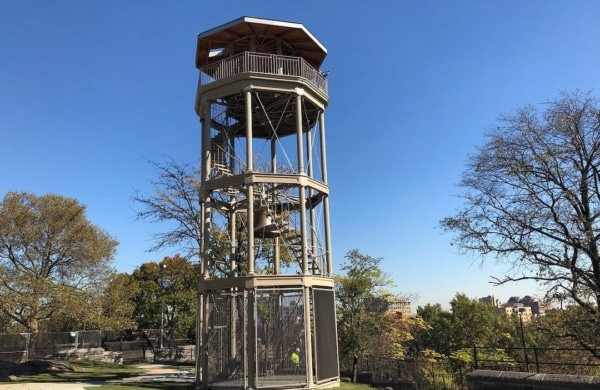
(264, 35)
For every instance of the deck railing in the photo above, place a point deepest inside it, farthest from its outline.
(250, 62)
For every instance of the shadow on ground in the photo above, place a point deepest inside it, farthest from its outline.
(63, 371)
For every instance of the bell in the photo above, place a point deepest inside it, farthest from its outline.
(264, 226)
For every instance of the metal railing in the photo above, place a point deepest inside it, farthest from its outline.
(271, 64)
(570, 361)
(381, 372)
(447, 373)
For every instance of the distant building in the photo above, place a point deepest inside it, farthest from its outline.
(399, 304)
(504, 310)
(516, 309)
(526, 300)
(523, 311)
(537, 308)
(527, 307)
(491, 300)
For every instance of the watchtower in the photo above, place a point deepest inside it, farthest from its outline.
(266, 310)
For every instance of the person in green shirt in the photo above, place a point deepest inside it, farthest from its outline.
(295, 358)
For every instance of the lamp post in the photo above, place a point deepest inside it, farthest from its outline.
(162, 283)
(523, 340)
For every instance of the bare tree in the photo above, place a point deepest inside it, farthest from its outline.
(176, 201)
(532, 199)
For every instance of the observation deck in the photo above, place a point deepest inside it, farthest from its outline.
(246, 51)
(262, 63)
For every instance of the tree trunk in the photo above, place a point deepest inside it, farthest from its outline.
(32, 325)
(354, 368)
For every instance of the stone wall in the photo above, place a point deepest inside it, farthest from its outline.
(91, 354)
(131, 351)
(508, 380)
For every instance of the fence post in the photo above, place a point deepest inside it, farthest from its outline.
(526, 359)
(535, 355)
(523, 340)
(27, 338)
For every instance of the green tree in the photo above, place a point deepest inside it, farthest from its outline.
(532, 199)
(466, 324)
(397, 335)
(362, 298)
(110, 307)
(475, 323)
(52, 258)
(115, 304)
(175, 299)
(7, 325)
(435, 338)
(556, 336)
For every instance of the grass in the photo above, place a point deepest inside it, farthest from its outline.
(84, 371)
(145, 386)
(353, 386)
(97, 372)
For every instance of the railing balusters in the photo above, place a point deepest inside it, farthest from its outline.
(251, 62)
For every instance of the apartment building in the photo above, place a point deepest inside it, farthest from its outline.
(399, 304)
(490, 299)
(516, 309)
(527, 307)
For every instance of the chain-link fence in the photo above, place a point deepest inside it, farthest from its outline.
(129, 346)
(28, 346)
(14, 347)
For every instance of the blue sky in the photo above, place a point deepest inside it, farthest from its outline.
(92, 90)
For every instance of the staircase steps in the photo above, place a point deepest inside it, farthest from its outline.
(219, 155)
(293, 241)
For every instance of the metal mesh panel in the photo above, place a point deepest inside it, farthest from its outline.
(279, 334)
(26, 346)
(13, 347)
(327, 366)
(280, 327)
(225, 339)
(47, 345)
(252, 336)
(87, 338)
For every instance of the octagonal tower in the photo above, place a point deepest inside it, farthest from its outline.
(266, 311)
